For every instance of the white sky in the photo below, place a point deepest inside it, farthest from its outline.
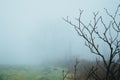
(33, 30)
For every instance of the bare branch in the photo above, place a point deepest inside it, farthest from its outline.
(110, 36)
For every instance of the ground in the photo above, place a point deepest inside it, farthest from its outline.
(30, 73)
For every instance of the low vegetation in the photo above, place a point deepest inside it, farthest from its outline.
(30, 73)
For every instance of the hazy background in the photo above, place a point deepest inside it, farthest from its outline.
(32, 31)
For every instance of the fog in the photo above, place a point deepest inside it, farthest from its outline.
(33, 31)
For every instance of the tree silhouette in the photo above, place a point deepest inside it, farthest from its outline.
(109, 35)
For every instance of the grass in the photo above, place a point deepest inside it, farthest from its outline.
(30, 73)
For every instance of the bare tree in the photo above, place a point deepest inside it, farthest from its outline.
(109, 35)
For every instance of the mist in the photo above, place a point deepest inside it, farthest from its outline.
(33, 31)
